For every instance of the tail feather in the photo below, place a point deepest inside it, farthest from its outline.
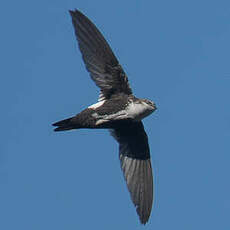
(64, 125)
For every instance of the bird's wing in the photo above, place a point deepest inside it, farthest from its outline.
(136, 166)
(99, 59)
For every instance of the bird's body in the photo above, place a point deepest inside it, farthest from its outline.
(118, 110)
(108, 114)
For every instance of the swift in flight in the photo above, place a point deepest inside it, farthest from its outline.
(118, 110)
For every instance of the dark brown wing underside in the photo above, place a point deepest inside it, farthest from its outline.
(98, 57)
(136, 166)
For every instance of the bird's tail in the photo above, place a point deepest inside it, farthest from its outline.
(66, 124)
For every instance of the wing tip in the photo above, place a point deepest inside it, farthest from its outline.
(76, 13)
(72, 12)
(135, 171)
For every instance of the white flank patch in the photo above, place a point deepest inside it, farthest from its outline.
(96, 105)
(101, 97)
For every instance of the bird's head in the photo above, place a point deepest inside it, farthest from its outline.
(150, 104)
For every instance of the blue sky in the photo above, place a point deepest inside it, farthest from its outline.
(174, 52)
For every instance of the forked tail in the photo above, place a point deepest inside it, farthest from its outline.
(66, 124)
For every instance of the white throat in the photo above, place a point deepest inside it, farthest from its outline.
(138, 111)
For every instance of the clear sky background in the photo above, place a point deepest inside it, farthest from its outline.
(176, 53)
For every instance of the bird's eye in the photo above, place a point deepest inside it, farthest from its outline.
(149, 103)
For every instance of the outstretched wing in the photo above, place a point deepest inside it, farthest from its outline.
(136, 166)
(99, 59)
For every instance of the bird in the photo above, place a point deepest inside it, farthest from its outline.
(117, 110)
